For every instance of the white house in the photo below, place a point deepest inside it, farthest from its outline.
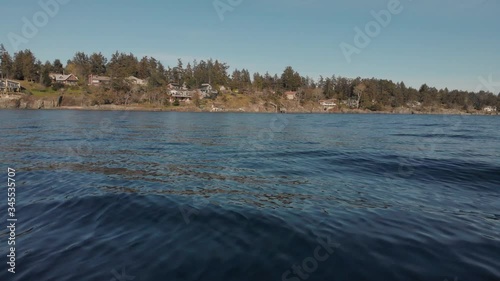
(206, 90)
(328, 103)
(136, 81)
(413, 104)
(10, 86)
(490, 109)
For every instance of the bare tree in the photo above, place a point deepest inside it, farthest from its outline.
(358, 91)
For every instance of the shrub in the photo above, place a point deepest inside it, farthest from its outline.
(376, 107)
(57, 86)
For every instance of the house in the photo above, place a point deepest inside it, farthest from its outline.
(351, 102)
(176, 86)
(66, 79)
(136, 81)
(413, 104)
(183, 96)
(173, 86)
(290, 95)
(217, 108)
(490, 109)
(206, 90)
(10, 86)
(96, 80)
(328, 103)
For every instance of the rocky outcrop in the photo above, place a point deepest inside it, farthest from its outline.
(39, 104)
(28, 102)
(10, 101)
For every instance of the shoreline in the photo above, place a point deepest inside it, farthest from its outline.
(198, 110)
(20, 102)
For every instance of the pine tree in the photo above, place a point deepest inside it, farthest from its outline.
(45, 76)
(57, 67)
(6, 63)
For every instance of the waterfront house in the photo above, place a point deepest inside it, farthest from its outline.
(328, 103)
(9, 86)
(173, 86)
(96, 80)
(181, 95)
(413, 104)
(490, 109)
(66, 79)
(136, 81)
(217, 108)
(206, 90)
(176, 86)
(290, 95)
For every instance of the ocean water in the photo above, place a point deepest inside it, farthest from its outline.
(195, 196)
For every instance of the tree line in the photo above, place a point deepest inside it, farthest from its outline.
(363, 93)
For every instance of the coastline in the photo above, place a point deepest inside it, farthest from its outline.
(20, 102)
(197, 110)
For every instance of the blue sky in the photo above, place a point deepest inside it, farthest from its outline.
(445, 43)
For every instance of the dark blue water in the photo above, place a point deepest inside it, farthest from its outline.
(185, 196)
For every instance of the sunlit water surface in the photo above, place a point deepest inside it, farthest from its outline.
(192, 196)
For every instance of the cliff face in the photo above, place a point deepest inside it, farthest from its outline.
(27, 102)
(10, 101)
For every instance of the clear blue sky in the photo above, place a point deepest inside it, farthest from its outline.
(445, 43)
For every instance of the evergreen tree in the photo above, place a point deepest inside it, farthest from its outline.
(122, 65)
(80, 65)
(25, 66)
(6, 63)
(328, 88)
(57, 67)
(290, 79)
(98, 63)
(143, 68)
(258, 81)
(45, 76)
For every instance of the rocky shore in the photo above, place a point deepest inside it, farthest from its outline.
(19, 101)
(16, 101)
